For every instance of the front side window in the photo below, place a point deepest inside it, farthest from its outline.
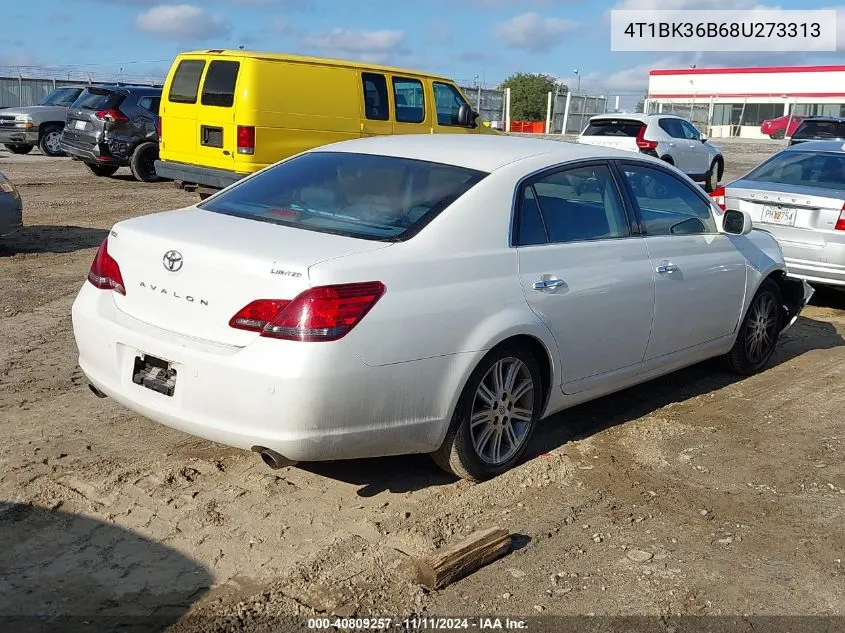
(375, 97)
(667, 205)
(358, 195)
(186, 81)
(448, 102)
(690, 133)
(577, 204)
(63, 97)
(219, 87)
(409, 98)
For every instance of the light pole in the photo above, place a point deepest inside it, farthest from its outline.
(578, 75)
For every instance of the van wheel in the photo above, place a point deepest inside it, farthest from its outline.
(49, 141)
(496, 415)
(142, 162)
(102, 171)
(19, 149)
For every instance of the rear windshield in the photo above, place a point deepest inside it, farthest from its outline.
(61, 97)
(820, 129)
(358, 195)
(186, 81)
(613, 127)
(98, 99)
(219, 87)
(823, 170)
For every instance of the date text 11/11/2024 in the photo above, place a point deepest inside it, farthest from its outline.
(417, 624)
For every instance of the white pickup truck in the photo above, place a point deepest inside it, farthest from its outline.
(25, 127)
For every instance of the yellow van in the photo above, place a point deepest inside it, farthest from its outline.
(228, 113)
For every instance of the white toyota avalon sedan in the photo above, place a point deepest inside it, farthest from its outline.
(424, 294)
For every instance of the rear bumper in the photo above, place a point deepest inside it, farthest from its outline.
(88, 153)
(308, 402)
(210, 177)
(824, 265)
(18, 137)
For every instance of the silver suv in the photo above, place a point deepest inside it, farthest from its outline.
(672, 138)
(25, 127)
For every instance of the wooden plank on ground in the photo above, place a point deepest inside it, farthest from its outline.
(451, 563)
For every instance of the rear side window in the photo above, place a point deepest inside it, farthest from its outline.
(359, 195)
(97, 99)
(150, 103)
(219, 87)
(375, 97)
(409, 98)
(613, 127)
(672, 127)
(822, 170)
(820, 130)
(186, 81)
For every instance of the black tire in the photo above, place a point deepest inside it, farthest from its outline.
(19, 149)
(458, 453)
(48, 143)
(711, 178)
(142, 163)
(102, 171)
(765, 315)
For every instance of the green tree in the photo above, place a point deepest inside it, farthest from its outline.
(529, 95)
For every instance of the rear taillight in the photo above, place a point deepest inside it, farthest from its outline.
(111, 116)
(840, 223)
(246, 139)
(642, 143)
(105, 273)
(718, 196)
(323, 313)
(158, 129)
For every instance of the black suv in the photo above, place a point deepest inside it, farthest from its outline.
(820, 128)
(109, 127)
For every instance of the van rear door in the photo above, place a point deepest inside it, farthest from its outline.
(216, 131)
(178, 112)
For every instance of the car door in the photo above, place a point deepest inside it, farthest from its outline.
(700, 273)
(583, 272)
(410, 110)
(678, 144)
(447, 104)
(375, 117)
(698, 152)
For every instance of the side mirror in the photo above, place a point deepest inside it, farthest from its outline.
(703, 138)
(736, 222)
(467, 116)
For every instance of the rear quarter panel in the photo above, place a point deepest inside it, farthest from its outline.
(763, 256)
(295, 106)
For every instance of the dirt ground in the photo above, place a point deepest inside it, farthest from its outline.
(695, 494)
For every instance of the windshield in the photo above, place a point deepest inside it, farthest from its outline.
(822, 170)
(358, 195)
(820, 130)
(61, 97)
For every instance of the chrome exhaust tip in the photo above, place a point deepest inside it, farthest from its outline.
(96, 391)
(273, 459)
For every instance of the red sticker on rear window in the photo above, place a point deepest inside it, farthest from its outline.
(289, 214)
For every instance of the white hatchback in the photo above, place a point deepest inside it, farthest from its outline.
(671, 138)
(425, 293)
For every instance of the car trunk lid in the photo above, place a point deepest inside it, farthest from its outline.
(796, 214)
(190, 271)
(616, 133)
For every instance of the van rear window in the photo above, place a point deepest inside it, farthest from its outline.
(186, 81)
(219, 87)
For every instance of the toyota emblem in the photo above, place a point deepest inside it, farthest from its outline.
(172, 261)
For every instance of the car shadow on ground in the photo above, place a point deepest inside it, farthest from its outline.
(416, 472)
(51, 239)
(67, 572)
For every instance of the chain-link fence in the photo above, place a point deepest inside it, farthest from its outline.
(698, 113)
(489, 102)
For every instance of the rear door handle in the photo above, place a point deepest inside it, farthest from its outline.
(548, 283)
(666, 268)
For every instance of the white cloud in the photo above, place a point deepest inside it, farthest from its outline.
(181, 22)
(369, 46)
(533, 32)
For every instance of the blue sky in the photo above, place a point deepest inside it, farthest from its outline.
(459, 38)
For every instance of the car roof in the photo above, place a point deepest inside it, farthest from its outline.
(311, 60)
(483, 152)
(817, 146)
(126, 88)
(837, 119)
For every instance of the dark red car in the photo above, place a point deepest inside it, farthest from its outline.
(776, 128)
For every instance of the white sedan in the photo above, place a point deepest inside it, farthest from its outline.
(424, 294)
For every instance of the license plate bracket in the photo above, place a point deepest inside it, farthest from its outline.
(778, 215)
(80, 125)
(154, 373)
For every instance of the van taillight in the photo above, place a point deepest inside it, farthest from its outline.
(158, 129)
(246, 139)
